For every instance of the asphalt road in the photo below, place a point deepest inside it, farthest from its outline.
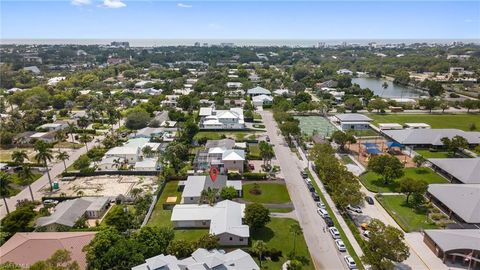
(320, 244)
(55, 170)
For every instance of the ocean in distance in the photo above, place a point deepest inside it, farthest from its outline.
(236, 42)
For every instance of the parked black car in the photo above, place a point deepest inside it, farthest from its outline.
(310, 187)
(329, 222)
(304, 175)
(315, 196)
(369, 200)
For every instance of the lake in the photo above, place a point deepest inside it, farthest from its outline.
(392, 91)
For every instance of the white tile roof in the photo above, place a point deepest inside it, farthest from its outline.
(353, 117)
(233, 154)
(258, 91)
(202, 259)
(225, 216)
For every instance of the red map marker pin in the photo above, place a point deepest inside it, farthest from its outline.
(213, 173)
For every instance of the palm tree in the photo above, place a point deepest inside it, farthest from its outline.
(82, 122)
(209, 195)
(19, 156)
(5, 180)
(147, 151)
(63, 156)
(71, 129)
(259, 248)
(60, 136)
(266, 152)
(44, 154)
(26, 176)
(296, 230)
(84, 138)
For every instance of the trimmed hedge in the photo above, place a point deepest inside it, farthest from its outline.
(255, 176)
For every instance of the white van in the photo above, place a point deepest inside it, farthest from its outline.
(322, 212)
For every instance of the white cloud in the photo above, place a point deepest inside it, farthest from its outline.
(114, 4)
(181, 5)
(81, 2)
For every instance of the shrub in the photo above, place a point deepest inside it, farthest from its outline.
(255, 176)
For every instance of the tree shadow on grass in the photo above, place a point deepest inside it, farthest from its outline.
(421, 171)
(265, 234)
(392, 186)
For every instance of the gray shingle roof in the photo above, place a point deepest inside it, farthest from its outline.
(447, 240)
(66, 213)
(466, 170)
(463, 199)
(430, 136)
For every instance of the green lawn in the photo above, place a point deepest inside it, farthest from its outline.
(254, 152)
(364, 132)
(460, 121)
(161, 217)
(277, 235)
(408, 218)
(217, 135)
(426, 153)
(271, 193)
(374, 182)
(280, 210)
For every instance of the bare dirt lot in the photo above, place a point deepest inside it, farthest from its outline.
(106, 185)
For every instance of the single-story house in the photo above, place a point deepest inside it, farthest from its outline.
(459, 170)
(130, 154)
(33, 69)
(261, 100)
(256, 91)
(461, 201)
(345, 71)
(27, 248)
(281, 92)
(58, 125)
(68, 212)
(202, 259)
(223, 218)
(352, 121)
(147, 164)
(195, 184)
(234, 84)
(47, 137)
(453, 244)
(430, 137)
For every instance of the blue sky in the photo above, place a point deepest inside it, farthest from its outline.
(103, 19)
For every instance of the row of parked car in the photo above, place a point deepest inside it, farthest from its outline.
(322, 211)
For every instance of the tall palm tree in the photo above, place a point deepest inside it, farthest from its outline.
(60, 136)
(83, 122)
(84, 138)
(259, 248)
(27, 176)
(62, 155)
(296, 230)
(44, 154)
(209, 195)
(19, 156)
(5, 180)
(71, 129)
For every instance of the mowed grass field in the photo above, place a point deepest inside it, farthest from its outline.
(459, 121)
(276, 234)
(374, 182)
(410, 219)
(271, 193)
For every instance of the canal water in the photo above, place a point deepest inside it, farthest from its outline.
(392, 91)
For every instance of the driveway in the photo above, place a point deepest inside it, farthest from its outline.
(55, 170)
(320, 244)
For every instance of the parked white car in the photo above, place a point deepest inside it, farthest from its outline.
(355, 209)
(322, 212)
(340, 245)
(366, 234)
(350, 262)
(321, 205)
(334, 232)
